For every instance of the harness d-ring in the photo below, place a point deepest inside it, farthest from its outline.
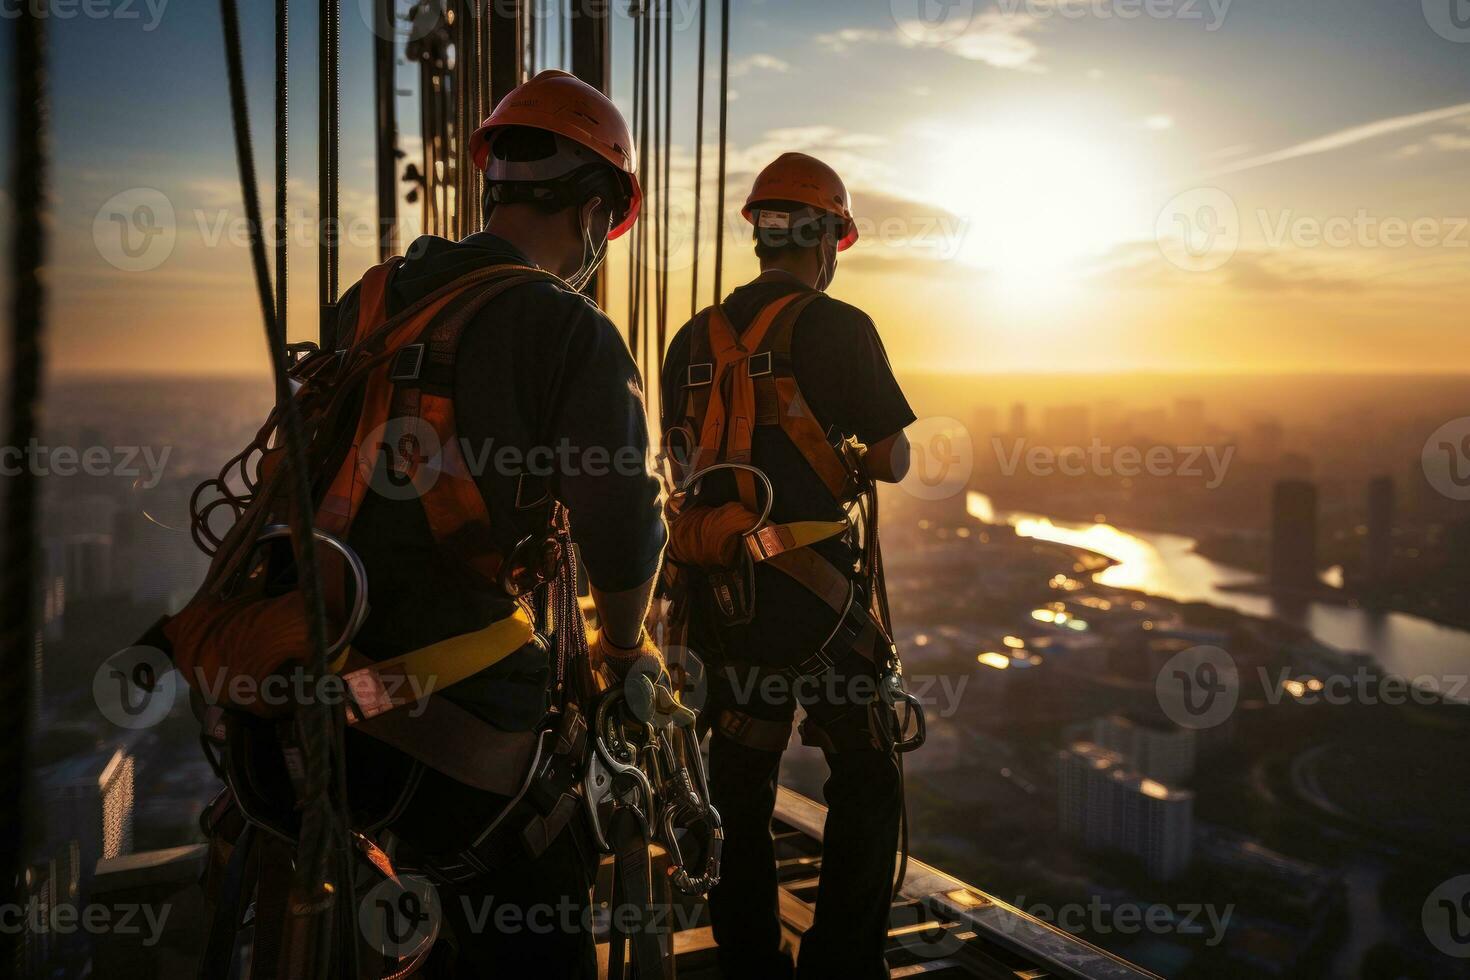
(359, 613)
(691, 484)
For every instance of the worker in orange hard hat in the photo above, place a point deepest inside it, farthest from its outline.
(782, 397)
(535, 368)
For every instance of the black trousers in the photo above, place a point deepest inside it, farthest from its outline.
(863, 796)
(529, 919)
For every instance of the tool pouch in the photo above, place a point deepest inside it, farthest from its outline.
(732, 593)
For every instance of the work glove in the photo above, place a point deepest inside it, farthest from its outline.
(641, 673)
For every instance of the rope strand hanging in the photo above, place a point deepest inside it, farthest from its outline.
(724, 132)
(323, 824)
(698, 159)
(21, 554)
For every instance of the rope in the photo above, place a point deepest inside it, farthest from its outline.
(724, 133)
(282, 71)
(329, 125)
(316, 722)
(28, 303)
(698, 159)
(668, 152)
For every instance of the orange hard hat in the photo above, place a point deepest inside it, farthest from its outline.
(562, 103)
(805, 180)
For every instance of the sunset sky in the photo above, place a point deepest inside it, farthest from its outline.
(1023, 170)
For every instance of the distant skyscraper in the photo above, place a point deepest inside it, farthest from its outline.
(1018, 419)
(1159, 750)
(1067, 425)
(1267, 440)
(1189, 418)
(1378, 547)
(1105, 806)
(88, 566)
(1294, 535)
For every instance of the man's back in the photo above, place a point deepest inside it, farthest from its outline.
(844, 376)
(547, 401)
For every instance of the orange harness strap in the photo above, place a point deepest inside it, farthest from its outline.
(730, 418)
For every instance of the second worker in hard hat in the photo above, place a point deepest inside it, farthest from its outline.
(785, 380)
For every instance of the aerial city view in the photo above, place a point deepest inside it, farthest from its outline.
(736, 489)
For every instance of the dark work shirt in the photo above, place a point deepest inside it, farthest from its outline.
(539, 366)
(846, 380)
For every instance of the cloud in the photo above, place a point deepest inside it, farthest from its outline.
(994, 38)
(758, 62)
(1344, 138)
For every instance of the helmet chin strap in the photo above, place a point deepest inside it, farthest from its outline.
(592, 252)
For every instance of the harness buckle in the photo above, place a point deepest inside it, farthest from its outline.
(408, 363)
(760, 365)
(699, 375)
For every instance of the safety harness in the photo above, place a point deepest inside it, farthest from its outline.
(246, 623)
(736, 383)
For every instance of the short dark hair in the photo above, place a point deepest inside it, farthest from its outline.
(799, 236)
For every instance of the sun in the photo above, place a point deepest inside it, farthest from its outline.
(1034, 202)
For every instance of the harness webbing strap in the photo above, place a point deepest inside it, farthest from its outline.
(633, 888)
(730, 416)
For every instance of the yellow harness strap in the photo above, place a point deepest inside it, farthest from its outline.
(409, 678)
(771, 540)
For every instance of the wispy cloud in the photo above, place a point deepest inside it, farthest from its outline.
(758, 62)
(994, 38)
(1344, 138)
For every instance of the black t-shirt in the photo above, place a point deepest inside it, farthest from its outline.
(845, 378)
(539, 366)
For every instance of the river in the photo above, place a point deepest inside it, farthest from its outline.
(1166, 565)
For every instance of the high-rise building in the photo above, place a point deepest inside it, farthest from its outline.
(1018, 420)
(1294, 535)
(1106, 806)
(89, 799)
(1067, 425)
(1156, 749)
(88, 566)
(1378, 546)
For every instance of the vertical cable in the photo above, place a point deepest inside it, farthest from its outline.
(668, 151)
(323, 826)
(329, 126)
(282, 212)
(724, 135)
(698, 159)
(21, 557)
